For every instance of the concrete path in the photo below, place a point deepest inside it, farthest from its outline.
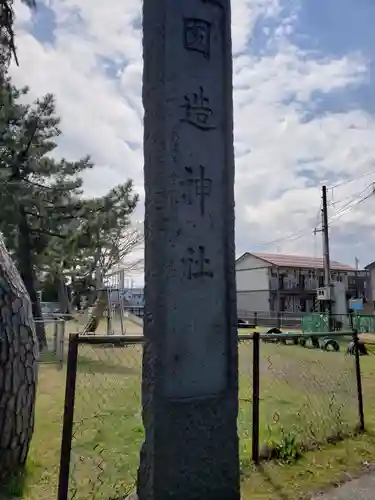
(362, 488)
(132, 328)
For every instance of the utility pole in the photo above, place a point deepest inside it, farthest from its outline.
(326, 259)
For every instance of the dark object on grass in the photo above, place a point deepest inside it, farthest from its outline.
(315, 342)
(270, 332)
(361, 348)
(326, 344)
(274, 330)
(330, 344)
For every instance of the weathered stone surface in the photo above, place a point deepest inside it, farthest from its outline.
(190, 399)
(17, 384)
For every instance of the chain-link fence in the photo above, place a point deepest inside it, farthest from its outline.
(44, 457)
(107, 429)
(267, 319)
(296, 393)
(306, 322)
(322, 322)
(305, 390)
(55, 340)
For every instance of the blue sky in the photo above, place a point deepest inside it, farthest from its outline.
(304, 109)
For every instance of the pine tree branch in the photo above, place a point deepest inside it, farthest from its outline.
(22, 155)
(58, 217)
(47, 233)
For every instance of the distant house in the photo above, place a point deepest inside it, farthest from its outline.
(272, 283)
(371, 283)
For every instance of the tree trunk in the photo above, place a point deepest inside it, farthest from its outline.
(62, 290)
(28, 275)
(101, 304)
(18, 368)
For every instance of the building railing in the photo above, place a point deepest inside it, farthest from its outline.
(309, 284)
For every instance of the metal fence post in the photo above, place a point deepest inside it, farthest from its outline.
(359, 381)
(67, 431)
(278, 320)
(256, 318)
(60, 344)
(351, 322)
(55, 336)
(255, 429)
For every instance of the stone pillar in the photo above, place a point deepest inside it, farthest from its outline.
(190, 379)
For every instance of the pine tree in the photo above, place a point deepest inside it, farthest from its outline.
(18, 342)
(104, 235)
(98, 238)
(48, 225)
(39, 195)
(7, 41)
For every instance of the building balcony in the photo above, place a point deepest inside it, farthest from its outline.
(291, 286)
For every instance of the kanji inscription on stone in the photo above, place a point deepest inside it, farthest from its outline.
(196, 187)
(197, 35)
(190, 348)
(197, 264)
(198, 111)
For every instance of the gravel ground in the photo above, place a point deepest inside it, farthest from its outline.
(362, 488)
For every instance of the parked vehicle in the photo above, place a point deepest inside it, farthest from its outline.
(242, 323)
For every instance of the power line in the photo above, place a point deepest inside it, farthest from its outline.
(349, 197)
(344, 183)
(348, 207)
(354, 205)
(352, 198)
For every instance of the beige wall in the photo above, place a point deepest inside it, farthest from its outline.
(252, 274)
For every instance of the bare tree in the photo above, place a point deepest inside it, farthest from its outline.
(123, 250)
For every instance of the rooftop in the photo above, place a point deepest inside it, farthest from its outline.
(280, 260)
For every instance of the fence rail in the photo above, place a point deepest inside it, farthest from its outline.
(55, 340)
(309, 322)
(340, 402)
(272, 319)
(363, 323)
(291, 399)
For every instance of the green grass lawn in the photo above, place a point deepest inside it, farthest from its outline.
(306, 394)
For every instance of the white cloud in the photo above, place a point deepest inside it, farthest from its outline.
(94, 67)
(23, 14)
